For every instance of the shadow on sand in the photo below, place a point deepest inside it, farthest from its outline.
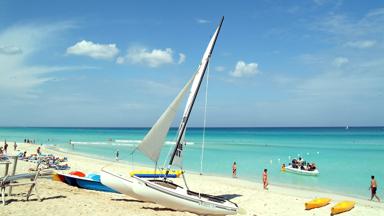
(34, 199)
(228, 196)
(127, 200)
(158, 208)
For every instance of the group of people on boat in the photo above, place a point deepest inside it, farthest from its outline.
(303, 165)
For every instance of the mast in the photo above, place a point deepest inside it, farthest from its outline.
(193, 94)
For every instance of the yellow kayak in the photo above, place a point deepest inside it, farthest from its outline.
(342, 207)
(317, 203)
(156, 174)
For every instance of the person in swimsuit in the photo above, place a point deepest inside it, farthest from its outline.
(265, 179)
(373, 188)
(234, 169)
(117, 155)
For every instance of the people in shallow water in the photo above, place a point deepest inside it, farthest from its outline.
(373, 188)
(265, 180)
(234, 169)
(283, 167)
(303, 165)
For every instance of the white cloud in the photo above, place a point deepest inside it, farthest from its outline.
(220, 68)
(151, 58)
(182, 58)
(346, 28)
(120, 60)
(243, 69)
(376, 12)
(339, 61)
(362, 44)
(202, 21)
(18, 78)
(94, 50)
(10, 50)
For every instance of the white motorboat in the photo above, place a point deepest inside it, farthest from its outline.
(300, 171)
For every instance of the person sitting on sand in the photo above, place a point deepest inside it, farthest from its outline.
(234, 169)
(373, 188)
(265, 180)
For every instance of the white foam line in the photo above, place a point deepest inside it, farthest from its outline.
(128, 141)
(173, 143)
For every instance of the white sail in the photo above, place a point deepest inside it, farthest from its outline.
(176, 158)
(155, 138)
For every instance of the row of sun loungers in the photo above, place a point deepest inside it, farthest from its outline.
(47, 161)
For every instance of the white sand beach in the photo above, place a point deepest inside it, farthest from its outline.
(61, 199)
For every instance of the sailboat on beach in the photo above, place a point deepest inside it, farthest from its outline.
(163, 191)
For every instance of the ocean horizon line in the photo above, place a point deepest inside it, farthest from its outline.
(199, 127)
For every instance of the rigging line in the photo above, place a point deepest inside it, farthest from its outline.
(205, 122)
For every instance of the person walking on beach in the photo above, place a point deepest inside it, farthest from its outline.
(234, 169)
(14, 146)
(373, 188)
(117, 155)
(265, 179)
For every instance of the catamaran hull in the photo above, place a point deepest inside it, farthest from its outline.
(120, 184)
(182, 200)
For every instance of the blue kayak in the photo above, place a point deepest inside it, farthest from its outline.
(89, 182)
(92, 182)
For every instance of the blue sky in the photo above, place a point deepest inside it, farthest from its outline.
(120, 63)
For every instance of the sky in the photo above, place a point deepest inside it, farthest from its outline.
(121, 63)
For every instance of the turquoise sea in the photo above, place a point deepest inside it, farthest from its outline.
(346, 157)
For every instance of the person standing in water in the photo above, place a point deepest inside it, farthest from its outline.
(265, 179)
(373, 188)
(234, 169)
(117, 155)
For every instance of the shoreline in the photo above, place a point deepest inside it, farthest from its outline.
(249, 195)
(248, 179)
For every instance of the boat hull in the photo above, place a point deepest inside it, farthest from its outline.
(342, 207)
(82, 182)
(156, 173)
(302, 172)
(180, 199)
(119, 183)
(317, 203)
(91, 184)
(69, 179)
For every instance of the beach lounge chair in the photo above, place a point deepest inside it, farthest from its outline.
(10, 181)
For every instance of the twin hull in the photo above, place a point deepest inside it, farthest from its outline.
(168, 194)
